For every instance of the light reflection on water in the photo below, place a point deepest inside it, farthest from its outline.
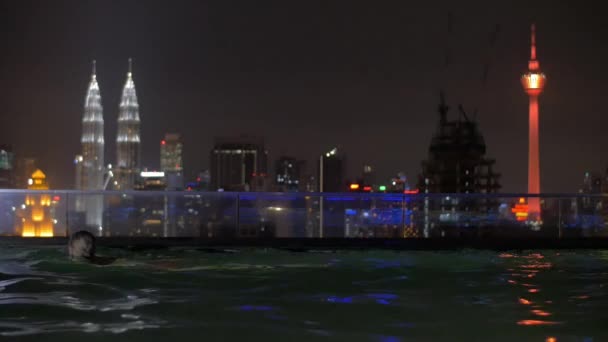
(368, 296)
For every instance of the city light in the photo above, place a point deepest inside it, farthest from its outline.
(37, 220)
(521, 210)
(382, 188)
(155, 174)
(331, 153)
(367, 188)
(354, 186)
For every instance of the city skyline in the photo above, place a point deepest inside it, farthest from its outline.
(376, 91)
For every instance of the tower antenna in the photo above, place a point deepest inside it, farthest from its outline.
(533, 82)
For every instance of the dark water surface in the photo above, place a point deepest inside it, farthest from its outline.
(270, 295)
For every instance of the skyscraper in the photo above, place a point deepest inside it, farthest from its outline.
(7, 167)
(24, 169)
(90, 164)
(128, 137)
(331, 172)
(457, 161)
(288, 172)
(171, 161)
(236, 161)
(92, 140)
(533, 82)
(171, 153)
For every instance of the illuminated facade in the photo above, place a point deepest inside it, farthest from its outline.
(37, 220)
(237, 162)
(90, 163)
(171, 161)
(533, 82)
(128, 137)
(288, 172)
(171, 153)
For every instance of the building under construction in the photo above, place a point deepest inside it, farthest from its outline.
(457, 163)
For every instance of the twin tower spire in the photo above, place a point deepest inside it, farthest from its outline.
(90, 175)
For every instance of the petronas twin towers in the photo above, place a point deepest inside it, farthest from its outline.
(90, 164)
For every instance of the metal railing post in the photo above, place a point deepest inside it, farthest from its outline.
(67, 214)
(403, 213)
(238, 211)
(559, 218)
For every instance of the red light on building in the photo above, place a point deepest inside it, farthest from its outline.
(411, 192)
(162, 142)
(354, 186)
(367, 188)
(56, 198)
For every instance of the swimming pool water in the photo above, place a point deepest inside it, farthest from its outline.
(271, 295)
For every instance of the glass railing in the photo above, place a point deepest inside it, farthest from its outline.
(227, 215)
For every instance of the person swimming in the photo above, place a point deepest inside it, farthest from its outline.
(81, 245)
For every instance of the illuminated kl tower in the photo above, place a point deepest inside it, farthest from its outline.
(533, 82)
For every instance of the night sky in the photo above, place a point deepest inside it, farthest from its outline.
(308, 75)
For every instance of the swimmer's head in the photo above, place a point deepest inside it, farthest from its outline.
(82, 245)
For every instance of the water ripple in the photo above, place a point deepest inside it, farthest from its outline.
(13, 329)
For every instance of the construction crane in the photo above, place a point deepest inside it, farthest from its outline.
(487, 63)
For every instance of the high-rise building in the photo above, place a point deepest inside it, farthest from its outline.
(399, 183)
(92, 139)
(128, 144)
(331, 172)
(368, 176)
(288, 173)
(171, 161)
(90, 163)
(201, 183)
(533, 82)
(24, 169)
(457, 163)
(235, 161)
(590, 210)
(7, 167)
